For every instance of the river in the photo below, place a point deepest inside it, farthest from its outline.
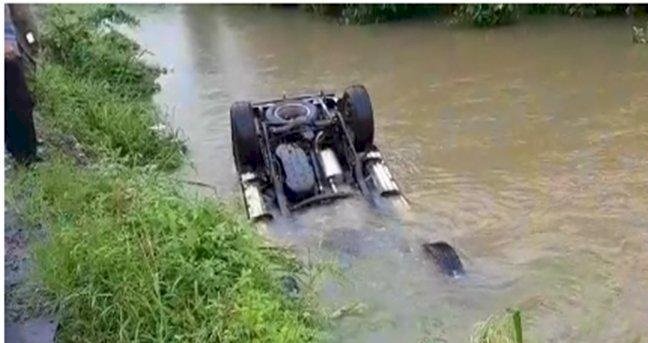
(523, 146)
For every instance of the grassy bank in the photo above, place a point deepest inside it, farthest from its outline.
(129, 255)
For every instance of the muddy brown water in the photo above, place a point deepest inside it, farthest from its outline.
(523, 146)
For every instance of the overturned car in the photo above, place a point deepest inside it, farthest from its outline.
(294, 152)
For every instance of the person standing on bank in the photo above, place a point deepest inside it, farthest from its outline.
(20, 135)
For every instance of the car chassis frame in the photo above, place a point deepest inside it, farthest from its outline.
(365, 172)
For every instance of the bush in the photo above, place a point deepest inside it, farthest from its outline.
(364, 14)
(582, 10)
(482, 15)
(487, 15)
(371, 13)
(81, 39)
(578, 10)
(130, 258)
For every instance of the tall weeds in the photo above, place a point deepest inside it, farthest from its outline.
(130, 258)
(93, 85)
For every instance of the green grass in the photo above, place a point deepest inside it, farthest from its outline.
(131, 258)
(106, 123)
(82, 39)
(92, 84)
(504, 328)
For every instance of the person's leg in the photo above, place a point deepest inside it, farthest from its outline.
(20, 135)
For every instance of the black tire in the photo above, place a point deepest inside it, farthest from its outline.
(245, 141)
(357, 110)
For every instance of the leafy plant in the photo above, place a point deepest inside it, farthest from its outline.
(81, 39)
(487, 14)
(364, 14)
(506, 328)
(371, 13)
(583, 10)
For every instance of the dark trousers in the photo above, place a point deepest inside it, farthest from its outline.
(20, 135)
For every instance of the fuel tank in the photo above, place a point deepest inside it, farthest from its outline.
(299, 180)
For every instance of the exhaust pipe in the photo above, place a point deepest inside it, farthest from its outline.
(382, 178)
(254, 203)
(331, 167)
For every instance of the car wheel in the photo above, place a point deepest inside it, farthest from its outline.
(356, 107)
(245, 141)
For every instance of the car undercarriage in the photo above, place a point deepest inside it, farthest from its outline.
(291, 153)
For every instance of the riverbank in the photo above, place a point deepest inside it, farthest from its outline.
(127, 254)
(482, 15)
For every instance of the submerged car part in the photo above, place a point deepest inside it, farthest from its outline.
(245, 141)
(299, 179)
(358, 112)
(331, 167)
(445, 257)
(310, 149)
(255, 205)
(290, 112)
(382, 178)
(296, 152)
